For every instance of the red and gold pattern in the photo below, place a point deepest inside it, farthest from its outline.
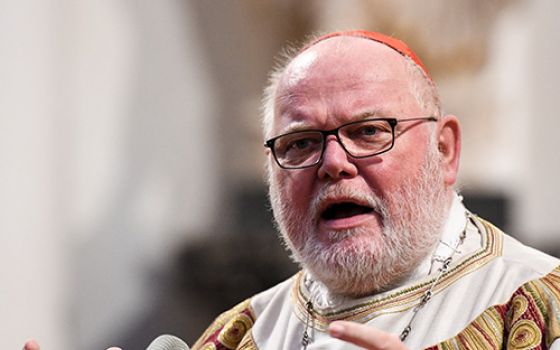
(529, 320)
(231, 330)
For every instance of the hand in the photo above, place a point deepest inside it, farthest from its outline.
(31, 344)
(364, 336)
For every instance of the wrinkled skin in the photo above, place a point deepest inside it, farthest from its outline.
(331, 83)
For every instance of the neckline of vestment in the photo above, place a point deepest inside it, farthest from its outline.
(402, 298)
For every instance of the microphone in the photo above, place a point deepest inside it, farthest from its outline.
(167, 342)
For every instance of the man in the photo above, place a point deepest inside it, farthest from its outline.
(361, 171)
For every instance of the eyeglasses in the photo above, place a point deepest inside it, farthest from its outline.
(360, 139)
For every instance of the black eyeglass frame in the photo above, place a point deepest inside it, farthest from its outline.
(392, 122)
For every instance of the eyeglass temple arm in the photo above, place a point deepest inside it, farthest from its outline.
(430, 118)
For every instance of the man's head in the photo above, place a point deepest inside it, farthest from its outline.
(359, 224)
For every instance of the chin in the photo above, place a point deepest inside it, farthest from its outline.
(352, 262)
(355, 237)
(363, 261)
(358, 282)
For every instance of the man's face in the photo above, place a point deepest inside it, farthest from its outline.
(357, 225)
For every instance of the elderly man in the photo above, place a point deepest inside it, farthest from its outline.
(361, 170)
(362, 166)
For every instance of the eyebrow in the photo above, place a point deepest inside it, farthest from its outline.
(296, 126)
(305, 126)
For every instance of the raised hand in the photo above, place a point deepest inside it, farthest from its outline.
(32, 344)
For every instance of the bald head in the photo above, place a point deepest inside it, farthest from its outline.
(340, 62)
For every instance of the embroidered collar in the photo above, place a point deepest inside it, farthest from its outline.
(475, 252)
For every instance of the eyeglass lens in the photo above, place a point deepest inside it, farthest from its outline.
(359, 139)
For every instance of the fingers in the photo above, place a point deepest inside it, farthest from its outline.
(31, 344)
(364, 336)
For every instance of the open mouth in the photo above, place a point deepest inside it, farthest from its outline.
(344, 210)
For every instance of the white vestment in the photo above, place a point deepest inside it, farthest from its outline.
(495, 294)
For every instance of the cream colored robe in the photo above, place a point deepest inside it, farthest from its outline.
(496, 294)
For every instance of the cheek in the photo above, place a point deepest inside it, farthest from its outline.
(296, 187)
(394, 168)
(381, 178)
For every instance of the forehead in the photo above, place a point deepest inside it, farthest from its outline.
(345, 57)
(340, 78)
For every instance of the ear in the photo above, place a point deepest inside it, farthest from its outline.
(449, 146)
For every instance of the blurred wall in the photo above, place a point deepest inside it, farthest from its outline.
(108, 162)
(34, 281)
(130, 132)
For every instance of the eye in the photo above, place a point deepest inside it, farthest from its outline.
(302, 144)
(367, 130)
(363, 131)
(298, 143)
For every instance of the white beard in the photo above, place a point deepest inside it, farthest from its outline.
(412, 219)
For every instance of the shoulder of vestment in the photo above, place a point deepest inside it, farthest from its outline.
(530, 319)
(232, 329)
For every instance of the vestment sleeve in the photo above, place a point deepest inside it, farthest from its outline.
(529, 320)
(230, 330)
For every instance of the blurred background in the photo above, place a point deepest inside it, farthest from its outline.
(131, 160)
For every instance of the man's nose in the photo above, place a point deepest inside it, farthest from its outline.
(336, 163)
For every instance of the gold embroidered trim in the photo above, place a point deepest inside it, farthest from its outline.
(524, 335)
(521, 317)
(408, 297)
(247, 343)
(234, 330)
(235, 320)
(208, 346)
